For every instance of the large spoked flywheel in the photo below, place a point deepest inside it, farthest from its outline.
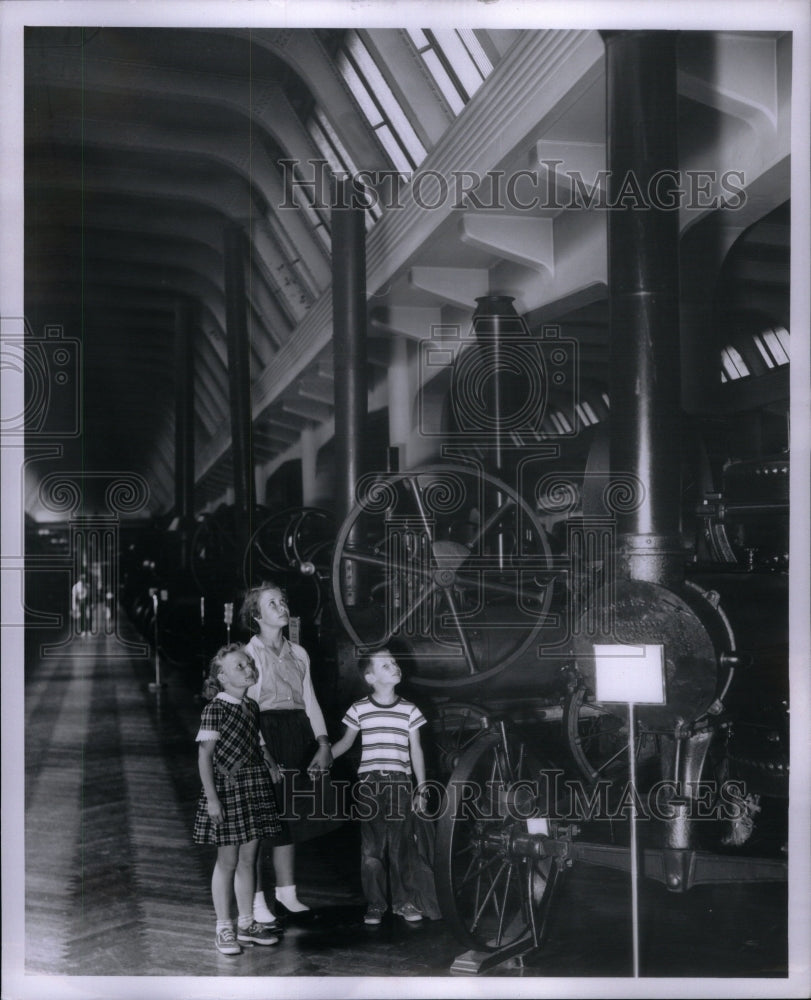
(450, 565)
(493, 897)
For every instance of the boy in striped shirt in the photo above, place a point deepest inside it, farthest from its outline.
(390, 749)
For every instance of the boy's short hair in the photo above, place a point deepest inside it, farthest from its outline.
(212, 685)
(365, 662)
(249, 611)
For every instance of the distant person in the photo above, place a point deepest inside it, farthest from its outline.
(237, 807)
(294, 731)
(390, 749)
(80, 604)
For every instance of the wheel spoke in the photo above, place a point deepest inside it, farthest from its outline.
(487, 897)
(463, 639)
(491, 522)
(367, 559)
(500, 933)
(481, 870)
(520, 766)
(486, 580)
(611, 759)
(428, 592)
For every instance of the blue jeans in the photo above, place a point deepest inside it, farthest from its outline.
(388, 797)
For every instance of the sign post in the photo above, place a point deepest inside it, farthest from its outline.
(632, 675)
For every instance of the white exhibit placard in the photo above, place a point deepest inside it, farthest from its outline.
(630, 674)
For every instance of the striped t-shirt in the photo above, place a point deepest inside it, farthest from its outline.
(385, 731)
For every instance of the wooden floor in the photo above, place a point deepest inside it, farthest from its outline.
(114, 886)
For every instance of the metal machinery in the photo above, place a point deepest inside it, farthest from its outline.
(495, 573)
(457, 571)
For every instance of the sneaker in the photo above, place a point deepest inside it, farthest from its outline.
(227, 943)
(409, 912)
(256, 934)
(373, 916)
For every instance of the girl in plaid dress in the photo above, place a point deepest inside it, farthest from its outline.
(236, 807)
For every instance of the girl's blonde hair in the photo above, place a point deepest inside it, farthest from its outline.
(211, 685)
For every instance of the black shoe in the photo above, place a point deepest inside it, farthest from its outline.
(255, 934)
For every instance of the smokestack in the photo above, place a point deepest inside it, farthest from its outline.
(349, 353)
(643, 295)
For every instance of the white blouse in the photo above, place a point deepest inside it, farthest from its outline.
(284, 681)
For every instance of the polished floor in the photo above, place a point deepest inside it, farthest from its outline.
(114, 886)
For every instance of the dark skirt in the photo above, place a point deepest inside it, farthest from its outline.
(307, 808)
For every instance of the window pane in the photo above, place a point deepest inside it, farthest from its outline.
(329, 131)
(387, 100)
(358, 88)
(444, 82)
(477, 53)
(775, 346)
(392, 147)
(733, 363)
(418, 37)
(785, 339)
(325, 148)
(459, 58)
(764, 353)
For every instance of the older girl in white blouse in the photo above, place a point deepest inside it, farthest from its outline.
(293, 728)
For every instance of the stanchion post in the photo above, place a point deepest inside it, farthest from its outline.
(631, 675)
(228, 618)
(157, 684)
(634, 845)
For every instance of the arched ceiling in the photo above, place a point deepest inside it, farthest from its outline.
(142, 145)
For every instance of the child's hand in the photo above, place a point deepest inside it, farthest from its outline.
(275, 771)
(214, 807)
(321, 761)
(419, 800)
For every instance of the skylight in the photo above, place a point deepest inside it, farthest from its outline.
(733, 365)
(380, 106)
(456, 61)
(773, 345)
(335, 153)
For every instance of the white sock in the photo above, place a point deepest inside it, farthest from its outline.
(261, 910)
(286, 894)
(222, 924)
(244, 922)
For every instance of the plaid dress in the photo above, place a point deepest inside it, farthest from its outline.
(241, 776)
